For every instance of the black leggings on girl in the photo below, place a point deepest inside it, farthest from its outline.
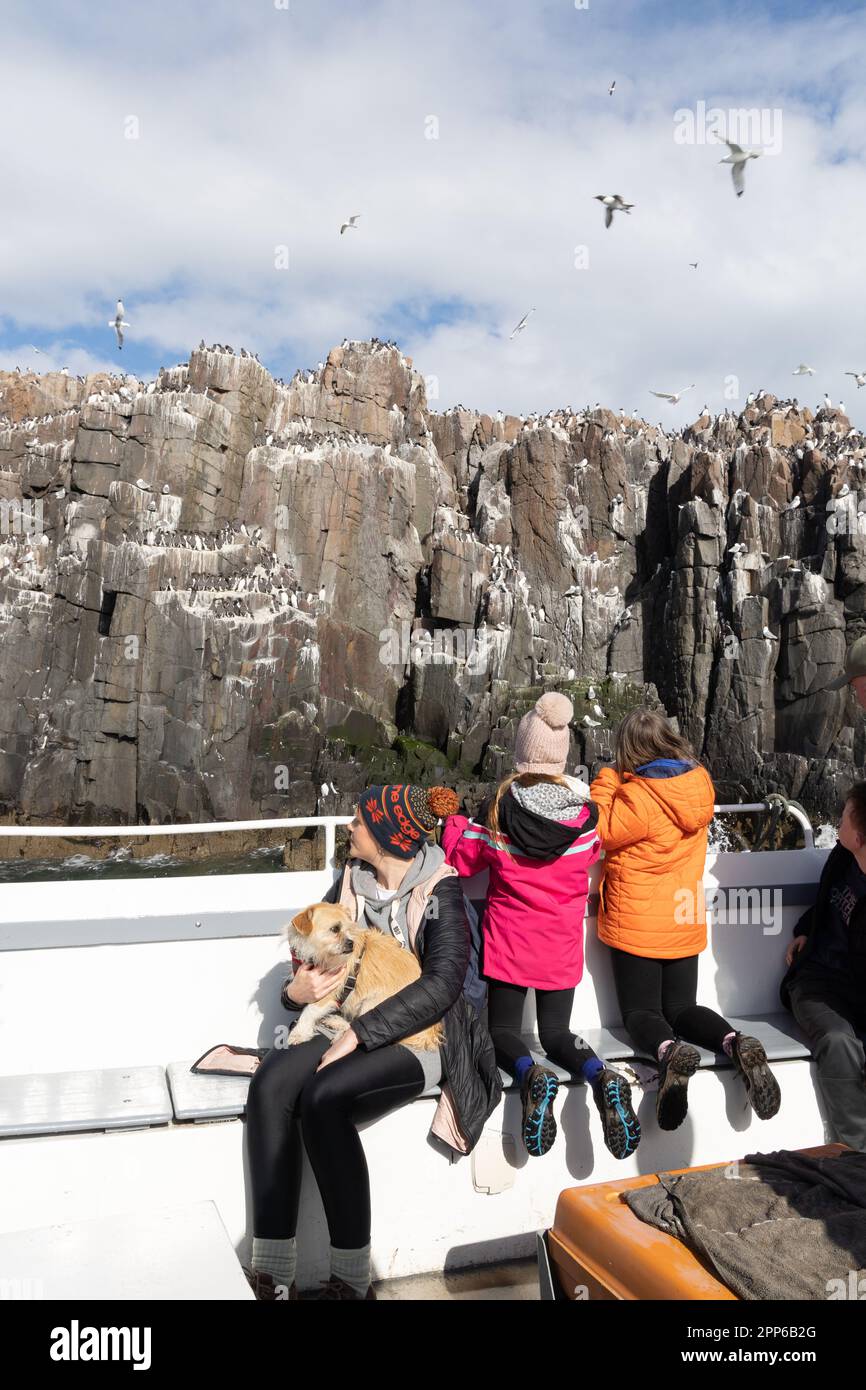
(657, 1001)
(553, 1010)
(330, 1103)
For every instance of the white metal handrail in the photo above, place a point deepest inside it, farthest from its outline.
(98, 832)
(95, 832)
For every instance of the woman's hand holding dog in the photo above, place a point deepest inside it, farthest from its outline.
(310, 983)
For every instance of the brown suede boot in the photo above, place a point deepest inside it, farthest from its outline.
(267, 1288)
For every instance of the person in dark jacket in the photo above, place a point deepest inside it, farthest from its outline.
(400, 882)
(825, 985)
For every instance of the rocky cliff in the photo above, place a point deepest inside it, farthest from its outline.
(224, 596)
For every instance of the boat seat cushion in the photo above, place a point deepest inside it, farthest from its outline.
(65, 1101)
(221, 1097)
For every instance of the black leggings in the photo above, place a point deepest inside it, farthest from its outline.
(553, 1011)
(657, 1001)
(330, 1103)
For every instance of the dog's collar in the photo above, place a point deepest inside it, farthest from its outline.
(350, 981)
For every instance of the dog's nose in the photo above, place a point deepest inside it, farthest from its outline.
(348, 948)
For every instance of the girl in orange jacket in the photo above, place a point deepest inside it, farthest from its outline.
(654, 806)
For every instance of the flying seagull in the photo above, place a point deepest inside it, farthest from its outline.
(520, 327)
(693, 264)
(351, 225)
(859, 377)
(118, 324)
(737, 157)
(803, 370)
(610, 90)
(673, 396)
(612, 203)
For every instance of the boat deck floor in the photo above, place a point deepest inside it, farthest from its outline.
(512, 1280)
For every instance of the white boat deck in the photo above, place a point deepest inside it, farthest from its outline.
(111, 989)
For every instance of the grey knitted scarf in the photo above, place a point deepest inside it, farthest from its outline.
(377, 913)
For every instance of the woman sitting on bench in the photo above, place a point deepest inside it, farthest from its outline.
(409, 892)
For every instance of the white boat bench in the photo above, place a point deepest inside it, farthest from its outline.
(136, 1097)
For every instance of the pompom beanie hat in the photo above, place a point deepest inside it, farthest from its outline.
(401, 817)
(541, 744)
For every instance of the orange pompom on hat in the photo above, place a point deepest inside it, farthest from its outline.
(541, 744)
(401, 816)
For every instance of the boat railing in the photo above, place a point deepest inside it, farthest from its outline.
(330, 823)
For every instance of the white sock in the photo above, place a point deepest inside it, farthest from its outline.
(276, 1257)
(353, 1267)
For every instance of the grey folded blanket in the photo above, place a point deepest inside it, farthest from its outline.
(777, 1225)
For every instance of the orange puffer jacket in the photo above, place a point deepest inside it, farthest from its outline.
(653, 831)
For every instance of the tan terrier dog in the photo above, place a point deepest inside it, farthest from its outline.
(324, 935)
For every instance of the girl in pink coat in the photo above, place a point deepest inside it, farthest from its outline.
(537, 837)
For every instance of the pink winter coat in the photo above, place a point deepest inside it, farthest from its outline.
(533, 921)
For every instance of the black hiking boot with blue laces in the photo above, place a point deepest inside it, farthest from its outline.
(621, 1125)
(538, 1092)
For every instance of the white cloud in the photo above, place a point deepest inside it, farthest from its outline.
(261, 127)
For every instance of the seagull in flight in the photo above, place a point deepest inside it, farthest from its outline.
(611, 88)
(673, 396)
(859, 377)
(693, 264)
(803, 370)
(118, 323)
(520, 327)
(352, 224)
(737, 157)
(612, 203)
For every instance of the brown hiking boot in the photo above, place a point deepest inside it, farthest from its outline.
(338, 1288)
(762, 1088)
(679, 1062)
(269, 1289)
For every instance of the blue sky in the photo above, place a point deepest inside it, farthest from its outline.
(260, 127)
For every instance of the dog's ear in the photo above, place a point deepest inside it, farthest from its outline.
(303, 922)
